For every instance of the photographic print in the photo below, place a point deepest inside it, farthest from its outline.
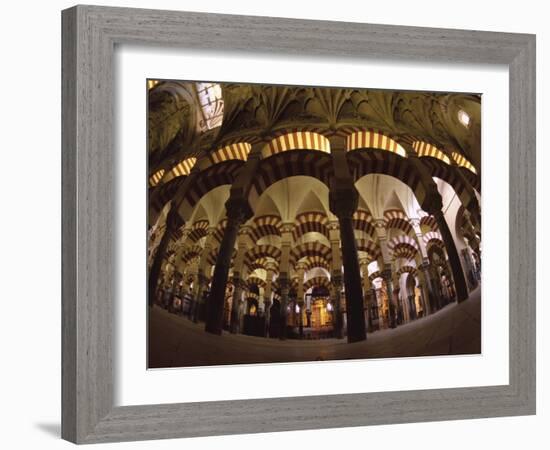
(302, 223)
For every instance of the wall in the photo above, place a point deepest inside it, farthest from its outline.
(30, 225)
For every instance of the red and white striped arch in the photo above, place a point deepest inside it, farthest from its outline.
(310, 249)
(373, 139)
(239, 151)
(363, 221)
(370, 248)
(397, 219)
(267, 225)
(191, 252)
(423, 148)
(198, 230)
(156, 177)
(310, 222)
(298, 140)
(317, 282)
(429, 222)
(461, 161)
(407, 269)
(262, 251)
(403, 247)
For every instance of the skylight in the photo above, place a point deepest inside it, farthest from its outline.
(210, 99)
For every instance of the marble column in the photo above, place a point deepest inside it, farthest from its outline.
(454, 258)
(364, 263)
(387, 275)
(270, 271)
(203, 274)
(284, 275)
(343, 203)
(173, 222)
(300, 296)
(284, 287)
(336, 281)
(238, 211)
(238, 279)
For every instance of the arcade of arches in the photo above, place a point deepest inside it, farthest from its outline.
(309, 214)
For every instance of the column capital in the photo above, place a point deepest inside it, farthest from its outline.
(415, 223)
(238, 209)
(336, 280)
(271, 266)
(333, 225)
(343, 202)
(379, 223)
(364, 262)
(287, 227)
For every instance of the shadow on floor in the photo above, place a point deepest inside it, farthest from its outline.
(53, 429)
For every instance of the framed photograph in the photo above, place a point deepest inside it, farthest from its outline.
(266, 230)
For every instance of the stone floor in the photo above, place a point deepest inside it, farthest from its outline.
(175, 341)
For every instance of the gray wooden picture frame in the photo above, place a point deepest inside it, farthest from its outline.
(90, 34)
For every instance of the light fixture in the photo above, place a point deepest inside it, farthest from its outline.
(297, 309)
(464, 118)
(329, 307)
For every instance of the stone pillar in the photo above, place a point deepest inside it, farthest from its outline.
(343, 200)
(364, 263)
(204, 271)
(336, 277)
(425, 289)
(284, 275)
(387, 275)
(173, 222)
(238, 211)
(270, 271)
(454, 258)
(238, 280)
(336, 281)
(238, 284)
(284, 287)
(300, 296)
(343, 203)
